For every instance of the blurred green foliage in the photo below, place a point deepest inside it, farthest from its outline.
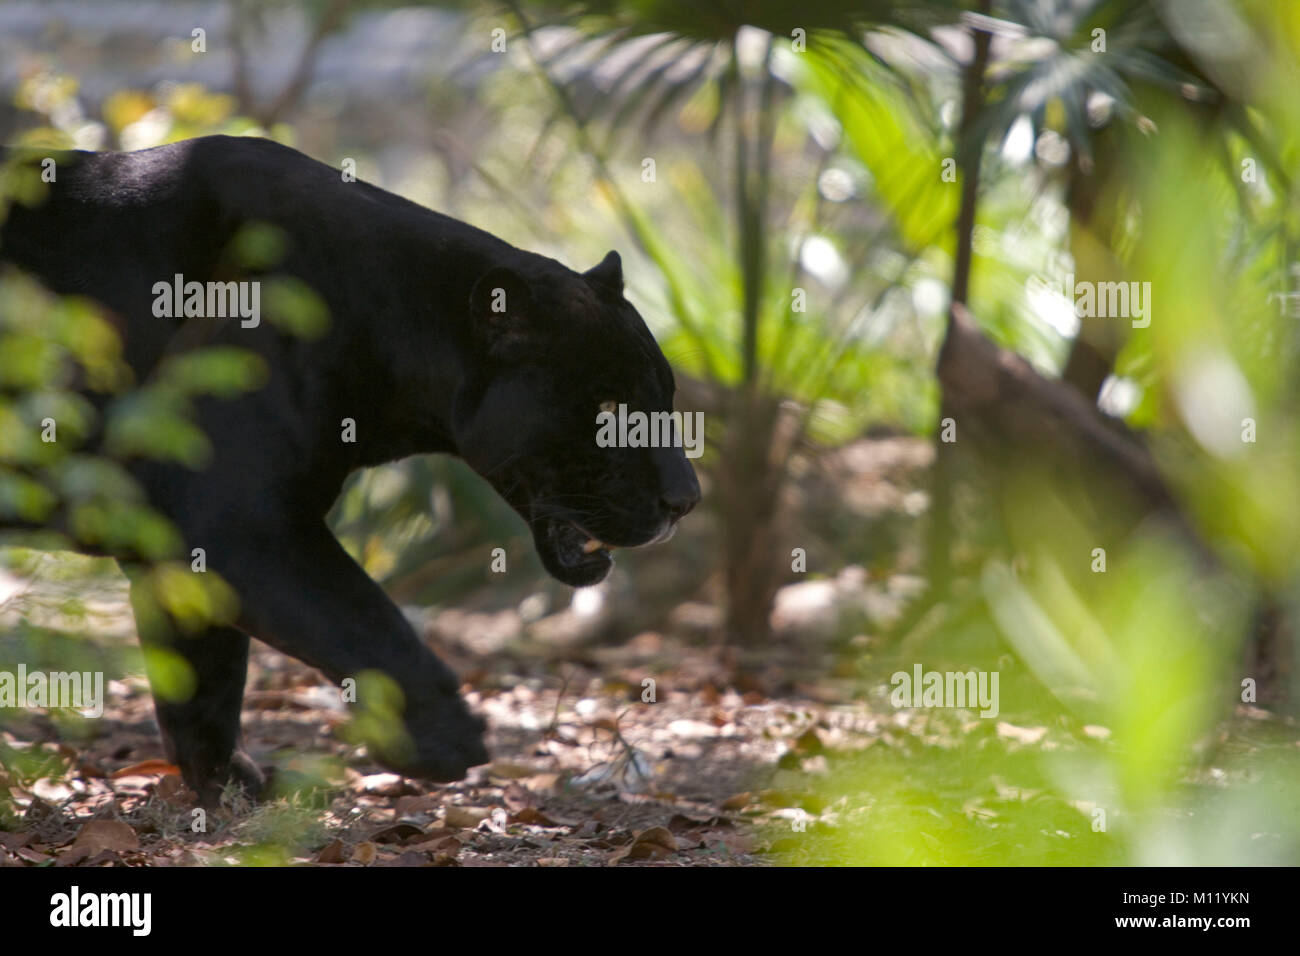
(1123, 738)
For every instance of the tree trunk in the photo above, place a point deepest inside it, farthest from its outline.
(749, 489)
(970, 149)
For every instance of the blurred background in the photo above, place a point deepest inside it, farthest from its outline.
(850, 226)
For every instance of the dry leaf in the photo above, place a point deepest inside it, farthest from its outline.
(652, 844)
(31, 856)
(533, 817)
(738, 801)
(364, 853)
(146, 768)
(466, 818)
(99, 835)
(443, 844)
(331, 852)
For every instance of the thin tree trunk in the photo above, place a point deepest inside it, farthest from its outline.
(970, 150)
(751, 470)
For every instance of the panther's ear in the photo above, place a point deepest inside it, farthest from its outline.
(501, 305)
(609, 274)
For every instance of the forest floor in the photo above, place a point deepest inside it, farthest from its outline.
(581, 775)
(797, 756)
(585, 770)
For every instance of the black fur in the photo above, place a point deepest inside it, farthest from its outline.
(415, 355)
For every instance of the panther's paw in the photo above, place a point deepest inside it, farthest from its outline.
(240, 777)
(442, 739)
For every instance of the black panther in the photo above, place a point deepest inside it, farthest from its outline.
(443, 338)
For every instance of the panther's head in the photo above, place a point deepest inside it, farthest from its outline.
(554, 349)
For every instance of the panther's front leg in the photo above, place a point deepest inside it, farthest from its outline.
(301, 593)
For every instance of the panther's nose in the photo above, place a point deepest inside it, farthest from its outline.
(679, 504)
(679, 489)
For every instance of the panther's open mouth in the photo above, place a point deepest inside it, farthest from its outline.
(575, 556)
(574, 546)
(570, 553)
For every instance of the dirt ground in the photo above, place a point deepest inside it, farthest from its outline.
(584, 773)
(587, 769)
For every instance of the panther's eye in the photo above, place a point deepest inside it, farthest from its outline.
(609, 406)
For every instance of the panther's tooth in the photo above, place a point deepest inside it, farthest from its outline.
(592, 546)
